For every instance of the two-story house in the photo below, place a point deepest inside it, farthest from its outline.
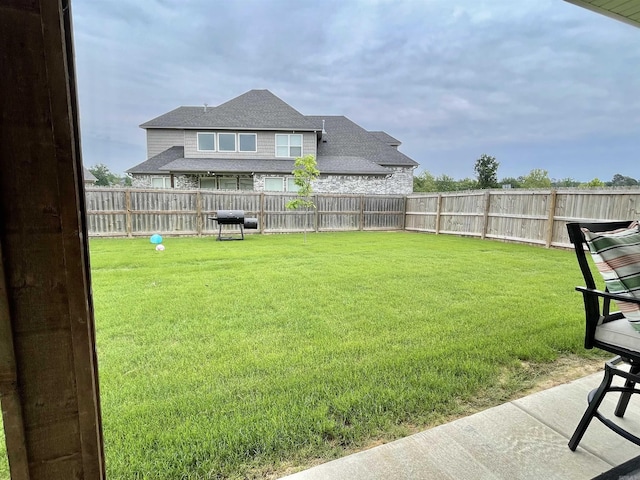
(251, 142)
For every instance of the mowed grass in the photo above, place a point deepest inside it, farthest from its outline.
(254, 358)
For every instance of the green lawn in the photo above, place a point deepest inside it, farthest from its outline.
(245, 359)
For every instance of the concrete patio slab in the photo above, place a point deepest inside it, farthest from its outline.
(523, 439)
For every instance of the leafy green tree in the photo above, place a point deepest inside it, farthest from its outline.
(104, 176)
(622, 181)
(537, 178)
(305, 171)
(514, 182)
(595, 183)
(445, 183)
(565, 182)
(467, 184)
(486, 169)
(425, 182)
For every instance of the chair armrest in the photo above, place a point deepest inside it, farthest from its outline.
(625, 297)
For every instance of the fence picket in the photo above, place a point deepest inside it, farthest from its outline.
(529, 216)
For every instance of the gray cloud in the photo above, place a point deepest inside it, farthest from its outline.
(537, 83)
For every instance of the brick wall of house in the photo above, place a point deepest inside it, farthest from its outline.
(399, 183)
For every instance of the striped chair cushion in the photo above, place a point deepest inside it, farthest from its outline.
(617, 256)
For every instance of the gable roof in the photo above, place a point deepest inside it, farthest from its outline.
(88, 176)
(386, 138)
(254, 110)
(154, 163)
(344, 138)
(343, 148)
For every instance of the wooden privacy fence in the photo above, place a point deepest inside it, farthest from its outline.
(132, 212)
(529, 216)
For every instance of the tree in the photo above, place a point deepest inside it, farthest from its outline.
(537, 178)
(566, 182)
(424, 182)
(486, 169)
(445, 183)
(595, 183)
(104, 176)
(304, 172)
(512, 181)
(622, 181)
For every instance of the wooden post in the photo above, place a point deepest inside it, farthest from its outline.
(316, 213)
(551, 219)
(404, 216)
(127, 207)
(487, 206)
(52, 405)
(199, 219)
(261, 214)
(361, 226)
(438, 213)
(11, 408)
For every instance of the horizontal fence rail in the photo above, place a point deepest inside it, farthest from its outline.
(113, 212)
(528, 216)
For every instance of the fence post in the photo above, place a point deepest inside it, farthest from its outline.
(261, 212)
(199, 220)
(550, 221)
(316, 213)
(485, 221)
(438, 209)
(127, 207)
(404, 215)
(361, 222)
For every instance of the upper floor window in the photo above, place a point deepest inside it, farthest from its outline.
(288, 145)
(206, 142)
(226, 142)
(247, 142)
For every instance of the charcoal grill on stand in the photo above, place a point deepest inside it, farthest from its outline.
(234, 217)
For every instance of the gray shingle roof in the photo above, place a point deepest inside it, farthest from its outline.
(327, 165)
(343, 138)
(254, 110)
(88, 176)
(345, 148)
(154, 163)
(386, 138)
(225, 165)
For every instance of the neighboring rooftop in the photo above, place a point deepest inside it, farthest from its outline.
(254, 110)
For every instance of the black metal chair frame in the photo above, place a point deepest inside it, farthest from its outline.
(597, 311)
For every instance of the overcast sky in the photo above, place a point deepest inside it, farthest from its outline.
(535, 83)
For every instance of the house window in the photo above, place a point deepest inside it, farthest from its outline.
(274, 184)
(228, 183)
(247, 142)
(226, 142)
(288, 145)
(246, 183)
(291, 185)
(209, 183)
(160, 182)
(206, 142)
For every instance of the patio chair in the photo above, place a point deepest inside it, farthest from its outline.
(610, 331)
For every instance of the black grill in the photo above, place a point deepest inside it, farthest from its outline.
(234, 217)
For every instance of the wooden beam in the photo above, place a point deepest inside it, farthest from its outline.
(45, 267)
